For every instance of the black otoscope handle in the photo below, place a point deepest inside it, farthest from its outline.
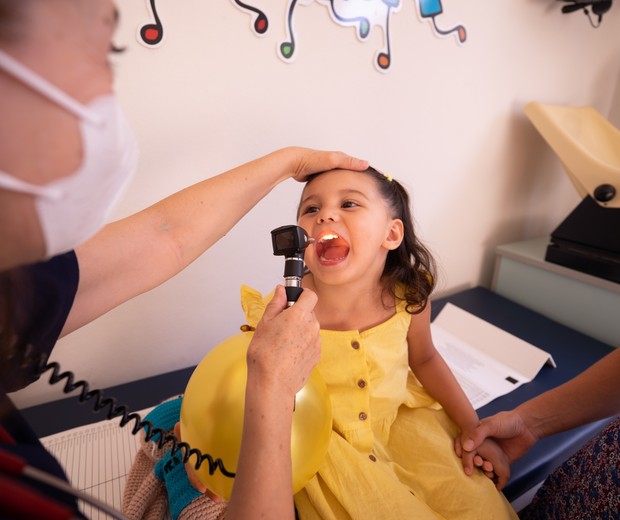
(293, 272)
(290, 242)
(292, 294)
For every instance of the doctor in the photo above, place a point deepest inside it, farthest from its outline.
(66, 151)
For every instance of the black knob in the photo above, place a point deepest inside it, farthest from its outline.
(604, 192)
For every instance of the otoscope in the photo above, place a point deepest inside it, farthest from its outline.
(291, 242)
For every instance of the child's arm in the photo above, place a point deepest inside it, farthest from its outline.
(435, 375)
(439, 381)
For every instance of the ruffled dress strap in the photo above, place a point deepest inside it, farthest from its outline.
(253, 304)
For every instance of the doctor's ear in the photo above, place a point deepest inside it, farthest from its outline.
(395, 235)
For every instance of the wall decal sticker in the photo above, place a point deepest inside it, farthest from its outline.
(363, 15)
(261, 24)
(431, 9)
(151, 34)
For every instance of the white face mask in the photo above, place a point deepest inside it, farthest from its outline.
(75, 207)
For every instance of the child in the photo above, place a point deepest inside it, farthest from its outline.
(397, 407)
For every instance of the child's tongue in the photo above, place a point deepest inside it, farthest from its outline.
(334, 252)
(333, 249)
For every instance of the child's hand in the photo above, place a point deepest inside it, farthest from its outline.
(192, 476)
(471, 459)
(198, 485)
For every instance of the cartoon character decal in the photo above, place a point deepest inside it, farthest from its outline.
(361, 14)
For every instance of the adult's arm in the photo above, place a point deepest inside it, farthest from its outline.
(283, 352)
(590, 396)
(136, 254)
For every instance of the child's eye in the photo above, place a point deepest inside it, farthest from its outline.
(309, 209)
(349, 204)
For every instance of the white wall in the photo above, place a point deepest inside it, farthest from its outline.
(447, 121)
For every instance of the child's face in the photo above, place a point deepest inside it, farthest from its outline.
(352, 225)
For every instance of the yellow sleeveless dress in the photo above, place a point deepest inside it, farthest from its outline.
(391, 453)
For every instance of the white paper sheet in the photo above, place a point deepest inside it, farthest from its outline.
(97, 459)
(487, 361)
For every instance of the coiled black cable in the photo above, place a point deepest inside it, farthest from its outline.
(122, 411)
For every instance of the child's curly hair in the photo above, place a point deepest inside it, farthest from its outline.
(410, 272)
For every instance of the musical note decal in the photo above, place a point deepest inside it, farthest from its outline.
(261, 24)
(151, 34)
(363, 15)
(431, 9)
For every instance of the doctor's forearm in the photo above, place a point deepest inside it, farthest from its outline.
(592, 395)
(263, 485)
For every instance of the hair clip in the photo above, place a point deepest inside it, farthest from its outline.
(388, 177)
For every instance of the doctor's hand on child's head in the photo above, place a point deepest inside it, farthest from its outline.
(307, 161)
(286, 345)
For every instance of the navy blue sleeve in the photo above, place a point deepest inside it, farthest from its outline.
(35, 301)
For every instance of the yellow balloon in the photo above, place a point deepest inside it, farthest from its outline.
(212, 417)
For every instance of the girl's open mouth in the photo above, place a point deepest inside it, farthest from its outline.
(331, 248)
